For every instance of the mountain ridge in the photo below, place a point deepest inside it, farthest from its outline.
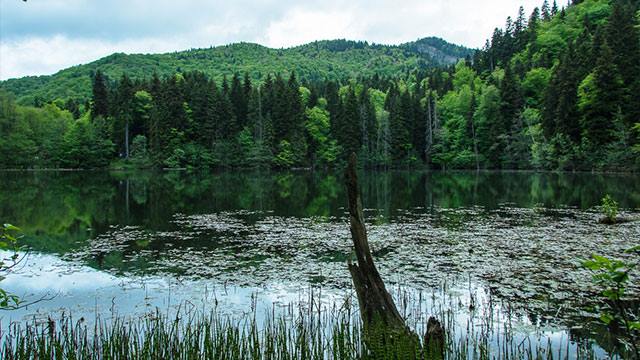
(331, 59)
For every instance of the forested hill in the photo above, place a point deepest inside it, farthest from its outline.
(330, 59)
(558, 89)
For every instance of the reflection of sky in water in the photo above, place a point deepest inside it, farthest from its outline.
(89, 293)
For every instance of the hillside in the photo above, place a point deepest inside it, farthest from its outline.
(335, 59)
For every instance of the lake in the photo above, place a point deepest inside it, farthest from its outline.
(113, 244)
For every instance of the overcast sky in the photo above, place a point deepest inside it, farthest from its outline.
(43, 36)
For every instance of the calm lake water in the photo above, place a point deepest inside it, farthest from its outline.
(124, 244)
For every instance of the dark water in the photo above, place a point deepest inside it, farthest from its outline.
(124, 243)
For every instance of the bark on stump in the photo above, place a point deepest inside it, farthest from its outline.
(386, 335)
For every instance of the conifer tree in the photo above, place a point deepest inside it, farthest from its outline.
(605, 100)
(533, 25)
(71, 105)
(349, 130)
(511, 98)
(123, 113)
(155, 88)
(624, 41)
(100, 98)
(237, 96)
(369, 123)
(399, 106)
(519, 32)
(267, 96)
(333, 105)
(295, 111)
(546, 11)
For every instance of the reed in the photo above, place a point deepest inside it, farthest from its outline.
(308, 330)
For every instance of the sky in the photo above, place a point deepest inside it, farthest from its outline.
(40, 37)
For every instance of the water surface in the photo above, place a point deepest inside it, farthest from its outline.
(124, 244)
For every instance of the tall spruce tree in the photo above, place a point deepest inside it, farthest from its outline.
(622, 36)
(546, 11)
(100, 98)
(560, 111)
(238, 98)
(349, 129)
(606, 98)
(227, 124)
(123, 114)
(369, 123)
(511, 102)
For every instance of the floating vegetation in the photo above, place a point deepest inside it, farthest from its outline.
(527, 256)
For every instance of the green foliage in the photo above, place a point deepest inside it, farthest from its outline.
(324, 149)
(85, 146)
(534, 86)
(636, 147)
(612, 276)
(50, 137)
(140, 152)
(609, 208)
(285, 157)
(176, 159)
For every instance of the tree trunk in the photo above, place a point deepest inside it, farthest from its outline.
(429, 132)
(385, 333)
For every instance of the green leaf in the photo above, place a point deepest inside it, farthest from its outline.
(633, 249)
(606, 318)
(10, 227)
(591, 265)
(601, 259)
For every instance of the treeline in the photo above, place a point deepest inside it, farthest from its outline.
(559, 89)
(190, 120)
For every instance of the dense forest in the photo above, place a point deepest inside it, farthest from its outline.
(558, 89)
(328, 59)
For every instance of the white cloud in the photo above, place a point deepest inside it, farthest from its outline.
(34, 56)
(300, 26)
(44, 37)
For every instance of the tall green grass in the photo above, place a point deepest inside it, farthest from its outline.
(296, 331)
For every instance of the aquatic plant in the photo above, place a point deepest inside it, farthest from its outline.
(609, 209)
(297, 332)
(616, 311)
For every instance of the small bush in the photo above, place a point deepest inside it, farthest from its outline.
(609, 209)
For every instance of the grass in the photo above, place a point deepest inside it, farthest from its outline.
(311, 331)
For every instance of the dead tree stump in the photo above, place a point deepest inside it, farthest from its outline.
(386, 335)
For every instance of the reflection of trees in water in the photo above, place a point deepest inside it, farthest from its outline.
(61, 206)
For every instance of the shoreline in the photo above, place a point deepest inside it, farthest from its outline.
(308, 169)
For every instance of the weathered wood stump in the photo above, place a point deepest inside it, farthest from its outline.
(386, 336)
